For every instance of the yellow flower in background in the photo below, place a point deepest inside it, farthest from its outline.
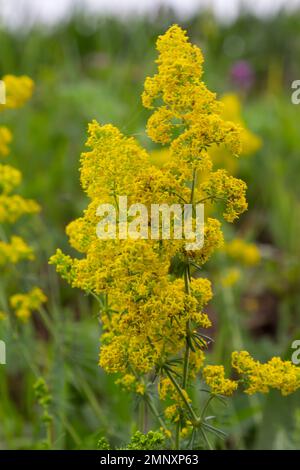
(243, 252)
(12, 207)
(13, 248)
(24, 304)
(230, 277)
(5, 140)
(15, 251)
(18, 90)
(232, 111)
(250, 142)
(10, 178)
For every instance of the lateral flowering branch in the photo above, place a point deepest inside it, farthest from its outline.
(154, 317)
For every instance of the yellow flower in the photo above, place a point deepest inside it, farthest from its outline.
(179, 72)
(165, 387)
(213, 239)
(184, 432)
(230, 190)
(166, 432)
(131, 383)
(140, 388)
(18, 90)
(172, 413)
(12, 207)
(220, 154)
(5, 140)
(214, 376)
(24, 304)
(10, 178)
(276, 373)
(126, 381)
(230, 277)
(15, 251)
(246, 253)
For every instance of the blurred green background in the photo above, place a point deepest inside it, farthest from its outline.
(93, 68)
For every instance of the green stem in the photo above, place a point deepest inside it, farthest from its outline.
(149, 401)
(186, 359)
(155, 413)
(206, 439)
(177, 437)
(206, 405)
(193, 186)
(71, 430)
(186, 363)
(192, 413)
(142, 413)
(187, 348)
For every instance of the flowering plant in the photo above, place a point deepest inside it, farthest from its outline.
(151, 293)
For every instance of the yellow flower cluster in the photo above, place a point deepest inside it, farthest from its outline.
(5, 140)
(130, 383)
(147, 308)
(14, 206)
(222, 187)
(214, 376)
(246, 253)
(14, 249)
(24, 304)
(230, 277)
(274, 374)
(232, 111)
(18, 90)
(167, 392)
(255, 376)
(188, 117)
(10, 178)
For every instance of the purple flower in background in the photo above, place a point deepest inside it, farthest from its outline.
(242, 75)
